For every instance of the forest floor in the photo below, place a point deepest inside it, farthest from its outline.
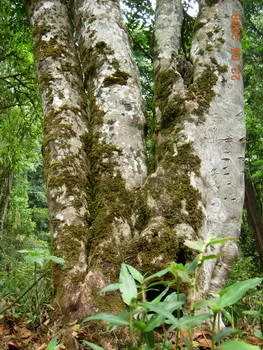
(15, 334)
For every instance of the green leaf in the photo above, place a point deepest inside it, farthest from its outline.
(164, 309)
(53, 344)
(158, 274)
(135, 274)
(139, 325)
(159, 297)
(187, 322)
(233, 293)
(128, 287)
(195, 245)
(191, 267)
(223, 333)
(92, 345)
(229, 295)
(179, 271)
(220, 240)
(115, 320)
(237, 345)
(110, 288)
(209, 257)
(154, 322)
(55, 259)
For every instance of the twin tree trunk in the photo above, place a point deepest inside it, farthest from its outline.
(105, 207)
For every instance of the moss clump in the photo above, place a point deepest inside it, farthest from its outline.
(164, 83)
(209, 47)
(202, 90)
(173, 110)
(198, 25)
(221, 40)
(103, 48)
(211, 2)
(119, 77)
(222, 69)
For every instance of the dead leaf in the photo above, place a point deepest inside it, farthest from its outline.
(42, 347)
(205, 343)
(24, 333)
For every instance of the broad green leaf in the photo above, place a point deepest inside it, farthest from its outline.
(53, 344)
(223, 333)
(135, 274)
(195, 245)
(237, 345)
(158, 274)
(159, 297)
(110, 288)
(128, 287)
(231, 294)
(92, 345)
(164, 308)
(115, 320)
(187, 322)
(154, 322)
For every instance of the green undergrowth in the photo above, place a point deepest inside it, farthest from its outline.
(177, 314)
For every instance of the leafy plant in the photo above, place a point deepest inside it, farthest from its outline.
(144, 316)
(39, 258)
(53, 344)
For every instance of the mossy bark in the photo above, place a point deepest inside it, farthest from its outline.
(205, 116)
(65, 159)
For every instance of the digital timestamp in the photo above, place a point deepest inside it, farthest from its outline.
(236, 51)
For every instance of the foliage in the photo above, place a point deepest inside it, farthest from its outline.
(166, 309)
(53, 344)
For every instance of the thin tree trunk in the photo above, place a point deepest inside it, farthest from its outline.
(5, 198)
(254, 215)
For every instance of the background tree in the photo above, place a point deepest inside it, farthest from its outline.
(252, 46)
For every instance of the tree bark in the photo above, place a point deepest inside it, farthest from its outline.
(254, 215)
(65, 137)
(200, 111)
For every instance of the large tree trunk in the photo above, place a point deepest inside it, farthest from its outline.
(65, 137)
(104, 208)
(202, 130)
